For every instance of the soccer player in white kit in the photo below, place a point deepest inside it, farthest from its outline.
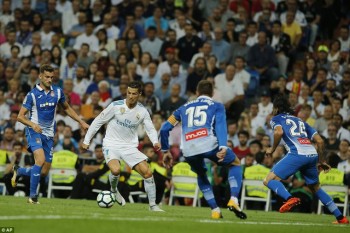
(121, 140)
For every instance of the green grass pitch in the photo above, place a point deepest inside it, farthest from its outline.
(81, 216)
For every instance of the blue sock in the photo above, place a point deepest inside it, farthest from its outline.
(207, 191)
(277, 187)
(235, 180)
(34, 180)
(24, 171)
(327, 201)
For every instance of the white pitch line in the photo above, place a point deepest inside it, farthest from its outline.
(157, 219)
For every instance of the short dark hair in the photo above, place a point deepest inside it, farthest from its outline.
(277, 22)
(98, 146)
(257, 142)
(17, 143)
(46, 67)
(136, 84)
(243, 132)
(282, 104)
(205, 87)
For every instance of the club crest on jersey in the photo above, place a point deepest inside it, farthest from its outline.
(122, 110)
(52, 93)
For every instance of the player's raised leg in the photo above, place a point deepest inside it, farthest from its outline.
(150, 187)
(198, 166)
(35, 174)
(273, 182)
(329, 203)
(114, 166)
(226, 157)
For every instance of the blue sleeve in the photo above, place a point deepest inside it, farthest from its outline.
(63, 98)
(167, 127)
(220, 125)
(309, 131)
(274, 122)
(28, 101)
(164, 135)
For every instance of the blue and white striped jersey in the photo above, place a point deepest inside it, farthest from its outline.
(296, 134)
(42, 107)
(203, 126)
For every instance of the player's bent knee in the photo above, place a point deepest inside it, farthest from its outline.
(115, 171)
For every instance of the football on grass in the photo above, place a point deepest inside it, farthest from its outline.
(105, 199)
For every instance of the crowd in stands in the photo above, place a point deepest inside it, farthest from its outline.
(252, 50)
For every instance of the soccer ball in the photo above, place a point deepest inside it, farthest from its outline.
(105, 199)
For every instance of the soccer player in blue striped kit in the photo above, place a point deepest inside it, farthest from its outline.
(302, 155)
(204, 135)
(41, 103)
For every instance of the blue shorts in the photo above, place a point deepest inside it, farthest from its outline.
(39, 141)
(292, 163)
(197, 161)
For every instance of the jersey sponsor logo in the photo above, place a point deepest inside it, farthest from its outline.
(52, 93)
(40, 96)
(199, 133)
(304, 141)
(46, 104)
(138, 116)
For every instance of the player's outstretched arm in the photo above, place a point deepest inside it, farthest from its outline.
(24, 120)
(164, 132)
(70, 112)
(322, 165)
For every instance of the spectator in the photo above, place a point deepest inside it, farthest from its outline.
(84, 58)
(242, 150)
(150, 100)
(69, 66)
(188, 46)
(293, 29)
(332, 142)
(178, 25)
(206, 34)
(46, 34)
(169, 42)
(5, 48)
(281, 43)
(344, 86)
(92, 176)
(322, 121)
(344, 165)
(344, 38)
(4, 109)
(220, 48)
(178, 77)
(157, 21)
(131, 24)
(296, 84)
(164, 67)
(334, 72)
(240, 48)
(265, 105)
(262, 58)
(334, 53)
(199, 73)
(163, 92)
(153, 75)
(87, 38)
(310, 72)
(344, 147)
(169, 105)
(152, 43)
(24, 35)
(8, 139)
(230, 35)
(255, 119)
(112, 30)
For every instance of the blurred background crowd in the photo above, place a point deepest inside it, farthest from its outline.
(252, 50)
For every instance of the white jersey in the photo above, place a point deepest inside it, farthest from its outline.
(122, 124)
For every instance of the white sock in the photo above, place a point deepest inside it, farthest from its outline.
(150, 188)
(113, 180)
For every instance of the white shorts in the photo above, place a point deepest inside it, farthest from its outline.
(131, 156)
